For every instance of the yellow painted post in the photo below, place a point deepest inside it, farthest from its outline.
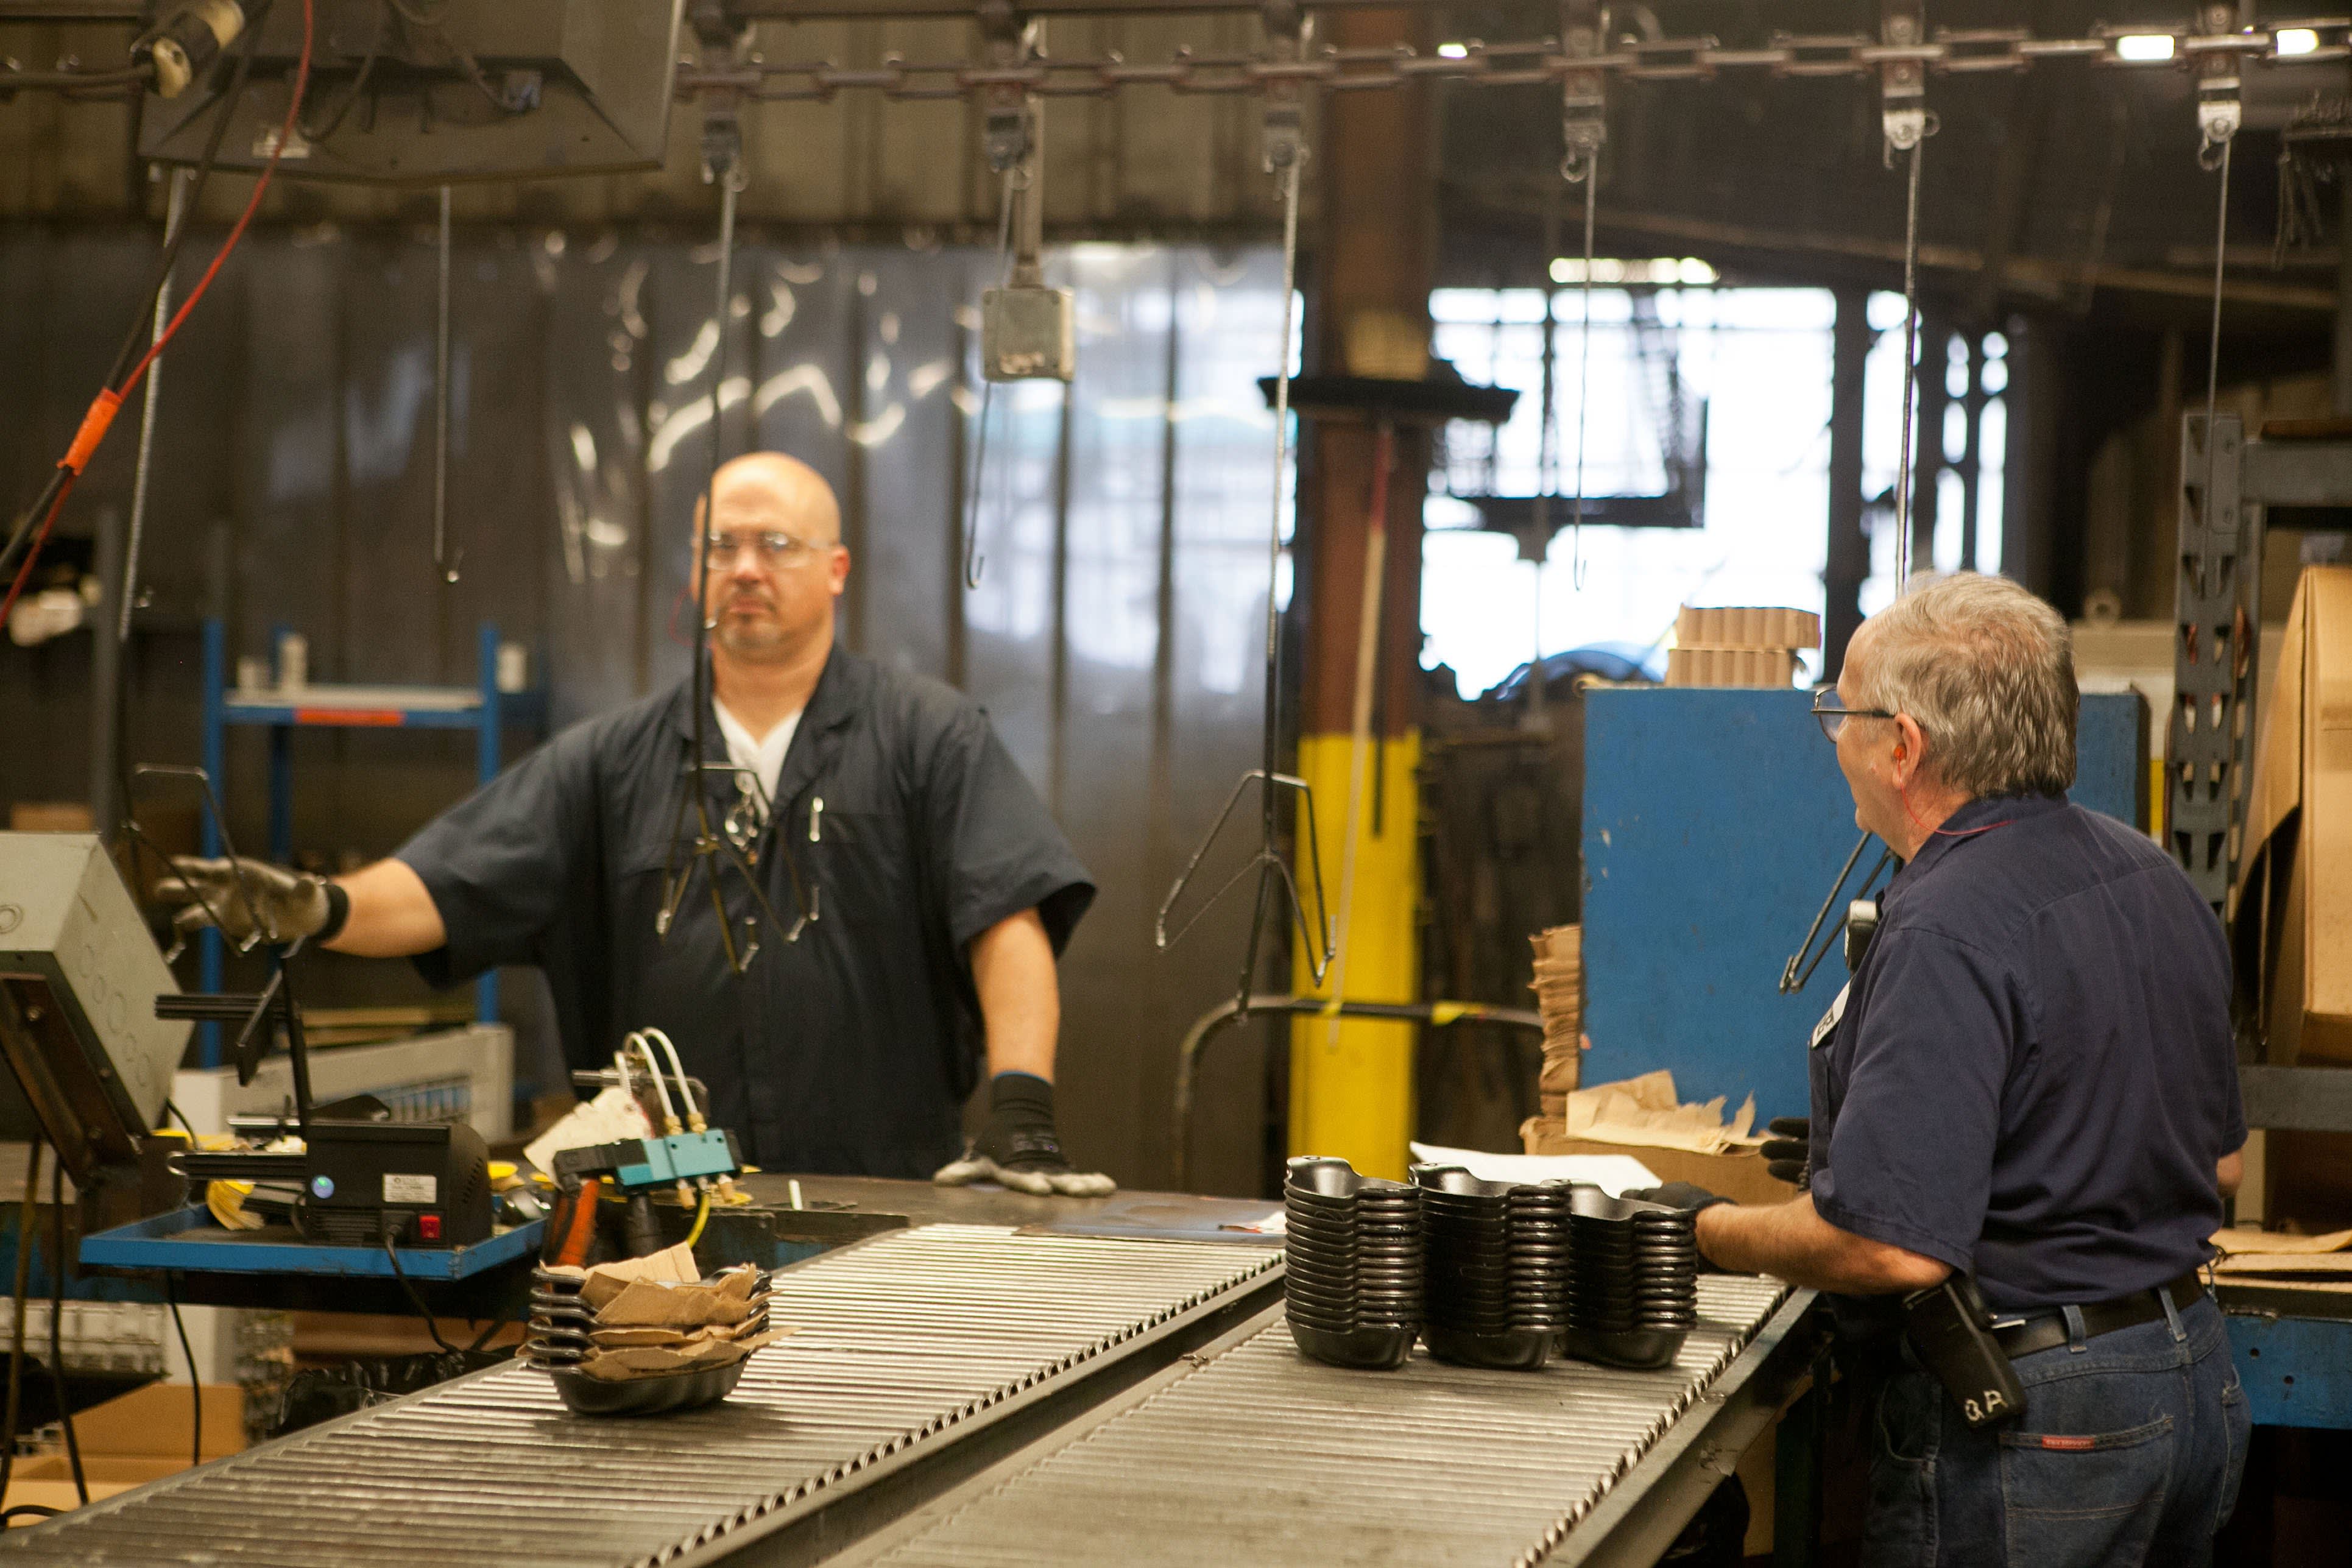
(1351, 1091)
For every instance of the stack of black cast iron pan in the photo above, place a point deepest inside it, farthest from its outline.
(1541, 1255)
(1352, 1287)
(560, 1321)
(1494, 1285)
(1632, 1292)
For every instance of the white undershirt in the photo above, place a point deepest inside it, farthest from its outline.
(765, 756)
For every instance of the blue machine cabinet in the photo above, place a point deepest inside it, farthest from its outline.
(1714, 821)
(481, 708)
(2297, 1372)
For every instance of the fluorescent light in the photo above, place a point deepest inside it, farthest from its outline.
(1452, 51)
(1667, 270)
(2144, 47)
(2298, 40)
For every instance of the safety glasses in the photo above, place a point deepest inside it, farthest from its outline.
(1831, 714)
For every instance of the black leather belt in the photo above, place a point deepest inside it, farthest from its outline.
(2047, 1331)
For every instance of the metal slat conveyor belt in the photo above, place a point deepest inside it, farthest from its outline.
(1261, 1456)
(897, 1343)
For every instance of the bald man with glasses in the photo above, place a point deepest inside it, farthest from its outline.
(880, 804)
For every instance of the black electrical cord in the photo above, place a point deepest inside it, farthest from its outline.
(482, 1339)
(58, 1324)
(359, 81)
(32, 1511)
(416, 1301)
(181, 1117)
(196, 1380)
(26, 1227)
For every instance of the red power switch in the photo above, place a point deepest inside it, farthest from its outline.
(428, 1228)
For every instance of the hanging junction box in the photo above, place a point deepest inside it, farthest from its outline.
(1028, 332)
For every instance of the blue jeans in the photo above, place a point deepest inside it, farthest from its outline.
(2129, 1453)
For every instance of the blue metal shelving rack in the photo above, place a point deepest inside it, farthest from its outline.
(481, 708)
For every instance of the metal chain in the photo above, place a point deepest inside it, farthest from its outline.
(1533, 62)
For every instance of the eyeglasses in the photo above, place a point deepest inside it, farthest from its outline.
(774, 550)
(1831, 710)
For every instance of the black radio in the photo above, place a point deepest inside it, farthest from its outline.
(414, 1185)
(1950, 1328)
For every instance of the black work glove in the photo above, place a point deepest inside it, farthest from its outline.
(1677, 1195)
(250, 901)
(1018, 1146)
(1789, 1152)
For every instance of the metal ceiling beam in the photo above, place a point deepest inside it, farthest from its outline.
(854, 10)
(72, 11)
(790, 10)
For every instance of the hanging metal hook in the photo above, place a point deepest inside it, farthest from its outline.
(1276, 882)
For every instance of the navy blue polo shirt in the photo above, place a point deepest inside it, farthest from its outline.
(2032, 1073)
(899, 813)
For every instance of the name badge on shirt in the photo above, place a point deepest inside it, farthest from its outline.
(1828, 1026)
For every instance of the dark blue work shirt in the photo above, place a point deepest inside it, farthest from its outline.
(850, 1051)
(2034, 1073)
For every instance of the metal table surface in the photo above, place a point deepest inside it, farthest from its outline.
(1250, 1453)
(909, 1348)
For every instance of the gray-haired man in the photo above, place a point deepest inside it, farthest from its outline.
(2031, 1081)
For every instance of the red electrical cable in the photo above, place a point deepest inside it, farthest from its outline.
(101, 413)
(1905, 795)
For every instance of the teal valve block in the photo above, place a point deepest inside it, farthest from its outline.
(680, 1157)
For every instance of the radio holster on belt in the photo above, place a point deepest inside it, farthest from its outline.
(1951, 1331)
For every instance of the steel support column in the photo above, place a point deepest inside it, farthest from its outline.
(2343, 376)
(1849, 548)
(1374, 258)
(1928, 462)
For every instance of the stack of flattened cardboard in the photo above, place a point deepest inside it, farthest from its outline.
(2314, 1263)
(654, 1317)
(1725, 646)
(1559, 998)
(1646, 1116)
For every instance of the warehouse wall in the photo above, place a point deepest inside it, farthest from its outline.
(1113, 637)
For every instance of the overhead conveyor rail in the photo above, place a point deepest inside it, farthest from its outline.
(1251, 1454)
(909, 1352)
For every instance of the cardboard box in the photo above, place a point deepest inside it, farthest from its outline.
(2290, 927)
(47, 1480)
(51, 816)
(1739, 1174)
(126, 1442)
(152, 1423)
(2293, 905)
